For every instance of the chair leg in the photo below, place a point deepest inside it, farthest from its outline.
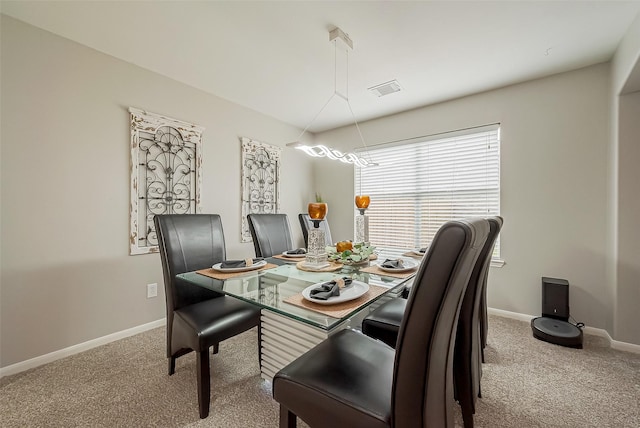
(467, 416)
(172, 365)
(204, 383)
(287, 418)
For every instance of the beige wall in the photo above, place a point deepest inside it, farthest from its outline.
(554, 174)
(625, 178)
(627, 316)
(66, 273)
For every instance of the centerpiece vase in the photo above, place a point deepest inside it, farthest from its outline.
(316, 246)
(362, 228)
(362, 221)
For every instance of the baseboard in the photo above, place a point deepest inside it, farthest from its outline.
(614, 344)
(76, 349)
(624, 346)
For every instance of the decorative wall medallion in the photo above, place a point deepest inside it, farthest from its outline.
(166, 156)
(260, 181)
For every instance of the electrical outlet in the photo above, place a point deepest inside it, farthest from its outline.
(152, 290)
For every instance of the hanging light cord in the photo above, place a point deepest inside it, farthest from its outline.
(346, 98)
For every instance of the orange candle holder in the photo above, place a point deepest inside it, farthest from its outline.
(362, 202)
(362, 221)
(317, 212)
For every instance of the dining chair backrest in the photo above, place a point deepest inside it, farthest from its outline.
(467, 363)
(271, 234)
(306, 224)
(188, 242)
(423, 368)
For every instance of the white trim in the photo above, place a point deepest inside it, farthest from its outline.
(624, 346)
(512, 315)
(497, 263)
(614, 344)
(76, 349)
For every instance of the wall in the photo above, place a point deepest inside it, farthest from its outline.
(66, 273)
(627, 317)
(554, 173)
(625, 176)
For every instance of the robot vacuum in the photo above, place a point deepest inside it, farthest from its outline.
(556, 331)
(554, 326)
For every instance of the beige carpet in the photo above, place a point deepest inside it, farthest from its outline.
(526, 383)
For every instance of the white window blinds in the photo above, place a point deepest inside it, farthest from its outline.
(422, 183)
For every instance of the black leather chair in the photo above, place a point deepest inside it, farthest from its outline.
(351, 380)
(197, 318)
(271, 234)
(306, 224)
(467, 363)
(384, 324)
(484, 321)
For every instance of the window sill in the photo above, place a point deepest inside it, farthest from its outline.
(497, 263)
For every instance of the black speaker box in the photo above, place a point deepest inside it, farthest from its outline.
(555, 298)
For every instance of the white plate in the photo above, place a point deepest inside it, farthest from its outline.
(417, 251)
(256, 265)
(408, 265)
(294, 256)
(355, 290)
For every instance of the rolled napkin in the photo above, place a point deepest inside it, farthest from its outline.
(393, 264)
(298, 251)
(329, 289)
(239, 263)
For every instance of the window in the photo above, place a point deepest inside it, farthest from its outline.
(421, 183)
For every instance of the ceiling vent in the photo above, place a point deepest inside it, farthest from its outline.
(385, 88)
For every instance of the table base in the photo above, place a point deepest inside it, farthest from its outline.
(285, 339)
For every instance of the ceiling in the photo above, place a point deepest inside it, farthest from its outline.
(276, 58)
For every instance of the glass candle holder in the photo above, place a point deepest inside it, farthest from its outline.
(362, 221)
(316, 251)
(362, 201)
(317, 212)
(362, 228)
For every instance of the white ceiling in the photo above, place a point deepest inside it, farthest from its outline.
(276, 58)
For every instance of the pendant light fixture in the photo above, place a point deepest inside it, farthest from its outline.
(318, 150)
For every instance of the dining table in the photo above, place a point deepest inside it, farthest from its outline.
(291, 321)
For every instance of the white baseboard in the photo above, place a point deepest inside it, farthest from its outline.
(76, 349)
(624, 346)
(615, 344)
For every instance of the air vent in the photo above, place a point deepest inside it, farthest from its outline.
(385, 88)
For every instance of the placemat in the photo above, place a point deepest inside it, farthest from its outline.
(338, 310)
(226, 275)
(331, 268)
(376, 269)
(288, 259)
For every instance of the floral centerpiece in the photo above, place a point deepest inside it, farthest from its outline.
(350, 254)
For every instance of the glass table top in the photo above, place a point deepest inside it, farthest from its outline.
(269, 288)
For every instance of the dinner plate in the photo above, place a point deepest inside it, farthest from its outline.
(417, 251)
(256, 265)
(294, 256)
(352, 292)
(408, 265)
